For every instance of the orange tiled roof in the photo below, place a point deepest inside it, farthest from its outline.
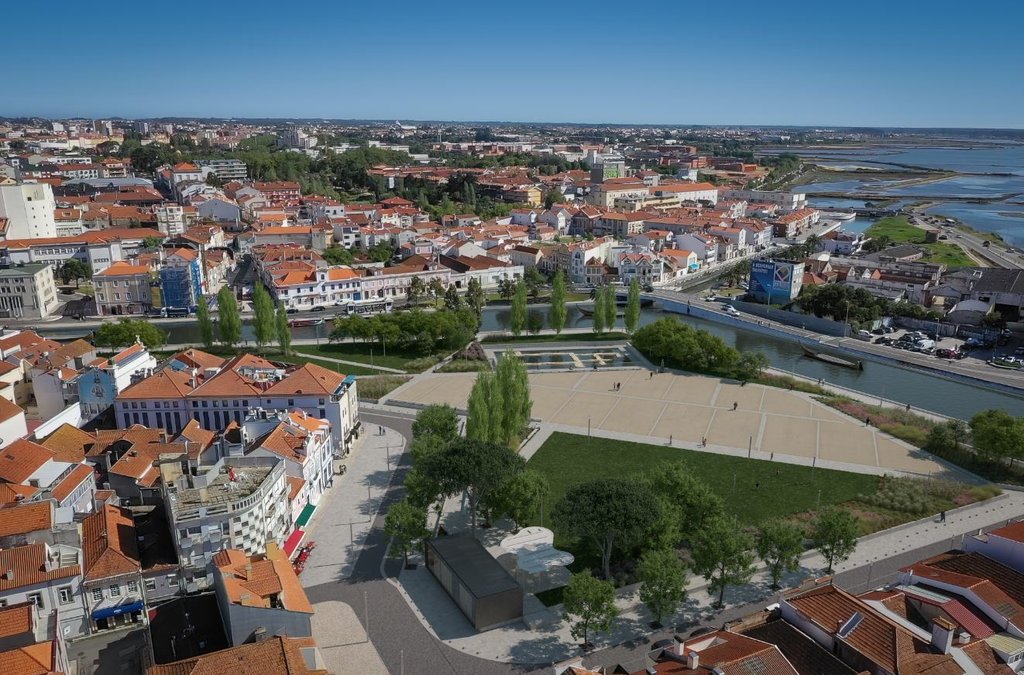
(167, 383)
(274, 656)
(256, 581)
(9, 410)
(26, 517)
(70, 483)
(16, 619)
(109, 546)
(308, 378)
(121, 269)
(21, 459)
(27, 565)
(36, 659)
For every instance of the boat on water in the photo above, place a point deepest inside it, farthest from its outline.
(845, 362)
(296, 323)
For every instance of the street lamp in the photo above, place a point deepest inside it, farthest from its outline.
(846, 326)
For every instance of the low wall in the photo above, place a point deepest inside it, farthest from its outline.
(804, 321)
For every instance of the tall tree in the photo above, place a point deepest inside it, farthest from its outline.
(474, 467)
(687, 502)
(835, 534)
(633, 306)
(662, 581)
(263, 323)
(534, 281)
(415, 290)
(205, 322)
(599, 312)
(609, 512)
(556, 312)
(517, 318)
(437, 289)
(610, 307)
(438, 420)
(588, 604)
(779, 545)
(478, 408)
(229, 320)
(284, 331)
(519, 498)
(475, 295)
(722, 555)
(406, 525)
(511, 380)
(452, 299)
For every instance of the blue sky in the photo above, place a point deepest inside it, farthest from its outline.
(893, 63)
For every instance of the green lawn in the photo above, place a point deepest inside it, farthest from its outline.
(359, 352)
(899, 230)
(753, 489)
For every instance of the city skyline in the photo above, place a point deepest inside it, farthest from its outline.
(672, 65)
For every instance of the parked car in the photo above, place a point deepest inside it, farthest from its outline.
(863, 335)
(1019, 351)
(318, 308)
(291, 310)
(878, 331)
(883, 341)
(946, 353)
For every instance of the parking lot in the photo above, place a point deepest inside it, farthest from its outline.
(1006, 349)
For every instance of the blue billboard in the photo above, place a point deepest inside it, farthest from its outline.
(775, 281)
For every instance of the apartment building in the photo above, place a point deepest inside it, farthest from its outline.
(49, 576)
(97, 248)
(224, 391)
(787, 201)
(260, 594)
(112, 580)
(32, 637)
(123, 289)
(225, 169)
(26, 211)
(238, 502)
(173, 219)
(99, 384)
(302, 441)
(181, 279)
(27, 291)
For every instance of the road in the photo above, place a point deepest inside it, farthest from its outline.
(393, 628)
(973, 367)
(974, 244)
(404, 644)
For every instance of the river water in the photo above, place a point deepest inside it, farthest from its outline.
(1004, 217)
(919, 389)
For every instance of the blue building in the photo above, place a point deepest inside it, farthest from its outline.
(181, 279)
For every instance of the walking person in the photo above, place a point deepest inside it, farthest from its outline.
(942, 517)
(735, 405)
(670, 439)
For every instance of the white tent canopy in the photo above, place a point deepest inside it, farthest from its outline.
(534, 548)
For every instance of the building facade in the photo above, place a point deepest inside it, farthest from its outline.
(27, 291)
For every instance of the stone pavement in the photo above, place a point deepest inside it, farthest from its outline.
(653, 407)
(340, 526)
(344, 515)
(544, 637)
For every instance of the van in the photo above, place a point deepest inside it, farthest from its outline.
(922, 345)
(863, 335)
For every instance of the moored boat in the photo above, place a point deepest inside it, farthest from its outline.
(835, 360)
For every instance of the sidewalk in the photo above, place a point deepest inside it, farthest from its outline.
(344, 516)
(543, 637)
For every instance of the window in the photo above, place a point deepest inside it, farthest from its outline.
(150, 584)
(36, 599)
(172, 580)
(115, 590)
(64, 595)
(133, 586)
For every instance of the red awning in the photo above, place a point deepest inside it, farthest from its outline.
(293, 541)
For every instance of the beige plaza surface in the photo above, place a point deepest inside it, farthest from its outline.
(691, 407)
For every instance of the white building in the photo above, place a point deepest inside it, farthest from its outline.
(28, 209)
(50, 576)
(302, 441)
(225, 169)
(27, 291)
(173, 219)
(224, 391)
(238, 502)
(787, 201)
(112, 585)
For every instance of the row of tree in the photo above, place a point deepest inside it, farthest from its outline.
(268, 323)
(669, 508)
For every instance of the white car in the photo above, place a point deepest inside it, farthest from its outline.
(732, 311)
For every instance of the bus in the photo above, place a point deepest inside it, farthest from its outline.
(368, 307)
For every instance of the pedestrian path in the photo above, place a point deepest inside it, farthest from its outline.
(544, 637)
(344, 516)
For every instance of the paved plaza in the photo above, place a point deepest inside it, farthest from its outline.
(789, 425)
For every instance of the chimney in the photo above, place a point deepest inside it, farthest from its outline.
(942, 634)
(692, 660)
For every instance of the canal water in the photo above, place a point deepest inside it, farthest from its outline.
(921, 390)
